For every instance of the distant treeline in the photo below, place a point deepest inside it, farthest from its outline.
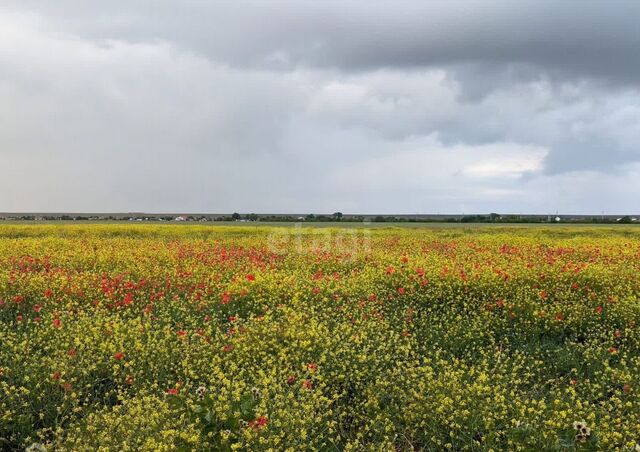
(336, 217)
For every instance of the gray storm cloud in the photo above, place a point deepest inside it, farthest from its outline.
(390, 107)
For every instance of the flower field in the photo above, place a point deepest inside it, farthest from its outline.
(165, 337)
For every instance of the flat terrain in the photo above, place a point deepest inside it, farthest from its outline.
(339, 337)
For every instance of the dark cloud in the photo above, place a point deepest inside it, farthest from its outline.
(597, 39)
(301, 106)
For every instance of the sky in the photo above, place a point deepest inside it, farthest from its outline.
(297, 106)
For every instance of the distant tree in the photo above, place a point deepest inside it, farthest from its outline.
(235, 216)
(337, 215)
(252, 217)
(311, 217)
(625, 220)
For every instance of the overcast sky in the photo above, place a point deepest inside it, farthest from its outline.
(361, 107)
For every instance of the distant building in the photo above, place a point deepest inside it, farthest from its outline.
(180, 218)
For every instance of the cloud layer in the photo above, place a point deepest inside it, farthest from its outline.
(397, 107)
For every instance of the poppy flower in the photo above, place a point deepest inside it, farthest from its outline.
(118, 356)
(57, 323)
(291, 380)
(251, 277)
(307, 384)
(258, 423)
(173, 391)
(128, 299)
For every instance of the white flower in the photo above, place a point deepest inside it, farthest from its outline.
(201, 391)
(578, 425)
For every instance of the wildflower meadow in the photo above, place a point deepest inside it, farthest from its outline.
(188, 337)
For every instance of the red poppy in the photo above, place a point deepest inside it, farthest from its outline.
(227, 348)
(226, 298)
(55, 376)
(307, 384)
(401, 290)
(128, 299)
(181, 333)
(72, 352)
(251, 277)
(599, 310)
(118, 356)
(173, 391)
(390, 270)
(291, 380)
(559, 317)
(312, 367)
(316, 290)
(48, 293)
(129, 379)
(57, 323)
(258, 423)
